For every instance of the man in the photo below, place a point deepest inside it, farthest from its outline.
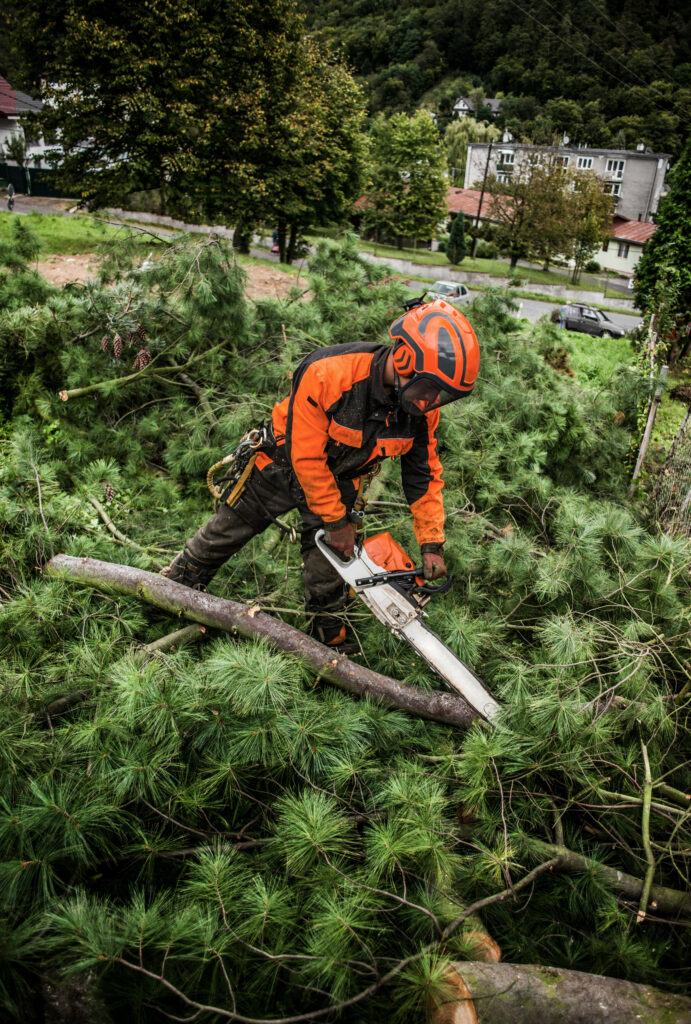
(350, 406)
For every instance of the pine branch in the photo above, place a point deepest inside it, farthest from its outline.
(234, 617)
(668, 901)
(118, 533)
(365, 993)
(645, 833)
(151, 370)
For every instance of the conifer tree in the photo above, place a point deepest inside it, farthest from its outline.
(206, 827)
(456, 248)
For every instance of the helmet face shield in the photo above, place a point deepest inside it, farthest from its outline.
(423, 394)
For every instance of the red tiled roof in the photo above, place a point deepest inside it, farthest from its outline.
(633, 230)
(467, 200)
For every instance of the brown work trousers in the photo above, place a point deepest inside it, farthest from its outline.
(269, 493)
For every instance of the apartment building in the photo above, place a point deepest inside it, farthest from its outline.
(634, 177)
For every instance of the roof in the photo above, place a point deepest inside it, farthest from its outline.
(494, 105)
(638, 231)
(628, 154)
(13, 102)
(467, 201)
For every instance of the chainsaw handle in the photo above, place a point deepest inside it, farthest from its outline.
(429, 591)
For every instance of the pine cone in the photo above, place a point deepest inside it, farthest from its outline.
(141, 333)
(142, 359)
(117, 346)
(109, 491)
(105, 342)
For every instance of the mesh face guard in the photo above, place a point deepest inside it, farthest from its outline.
(424, 393)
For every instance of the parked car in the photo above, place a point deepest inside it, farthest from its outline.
(452, 291)
(589, 320)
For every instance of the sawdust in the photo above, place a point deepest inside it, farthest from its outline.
(262, 282)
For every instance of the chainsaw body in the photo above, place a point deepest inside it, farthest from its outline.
(393, 588)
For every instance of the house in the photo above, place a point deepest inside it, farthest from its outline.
(13, 104)
(623, 250)
(634, 177)
(467, 202)
(465, 106)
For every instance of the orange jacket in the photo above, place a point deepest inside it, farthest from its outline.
(339, 421)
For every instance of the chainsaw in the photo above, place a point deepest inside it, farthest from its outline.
(394, 589)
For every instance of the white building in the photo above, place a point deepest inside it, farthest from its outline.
(635, 178)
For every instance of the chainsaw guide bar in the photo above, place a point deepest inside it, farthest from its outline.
(397, 605)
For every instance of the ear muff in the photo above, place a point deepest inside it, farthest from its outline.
(403, 359)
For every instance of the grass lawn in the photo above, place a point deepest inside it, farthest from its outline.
(596, 360)
(65, 235)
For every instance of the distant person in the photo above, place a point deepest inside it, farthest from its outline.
(562, 315)
(10, 196)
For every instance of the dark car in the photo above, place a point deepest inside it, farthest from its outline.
(589, 320)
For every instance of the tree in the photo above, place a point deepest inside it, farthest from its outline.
(130, 106)
(593, 208)
(319, 168)
(456, 138)
(667, 256)
(544, 211)
(456, 246)
(406, 193)
(16, 149)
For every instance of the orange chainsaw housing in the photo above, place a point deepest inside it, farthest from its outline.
(388, 554)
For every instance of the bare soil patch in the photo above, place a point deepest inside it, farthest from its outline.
(262, 282)
(67, 269)
(267, 283)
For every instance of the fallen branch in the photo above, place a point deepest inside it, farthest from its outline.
(147, 371)
(500, 993)
(234, 617)
(118, 534)
(668, 901)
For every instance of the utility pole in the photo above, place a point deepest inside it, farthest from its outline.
(482, 196)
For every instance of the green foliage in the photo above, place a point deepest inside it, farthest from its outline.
(456, 248)
(607, 75)
(663, 273)
(212, 812)
(407, 188)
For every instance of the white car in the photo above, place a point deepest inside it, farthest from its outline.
(452, 291)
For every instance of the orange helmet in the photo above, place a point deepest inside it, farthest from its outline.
(436, 344)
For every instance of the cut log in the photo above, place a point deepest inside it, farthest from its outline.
(234, 617)
(528, 994)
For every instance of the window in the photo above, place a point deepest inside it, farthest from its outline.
(503, 177)
(584, 163)
(613, 188)
(615, 169)
(561, 161)
(506, 157)
(605, 246)
(623, 250)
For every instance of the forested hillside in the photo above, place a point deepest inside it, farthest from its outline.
(212, 833)
(606, 72)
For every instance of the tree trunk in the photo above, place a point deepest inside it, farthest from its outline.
(242, 236)
(488, 993)
(281, 241)
(238, 618)
(292, 243)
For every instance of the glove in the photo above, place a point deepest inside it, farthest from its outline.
(341, 540)
(433, 564)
